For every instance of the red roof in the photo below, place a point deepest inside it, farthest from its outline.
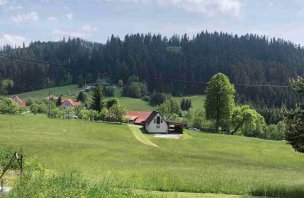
(19, 101)
(22, 104)
(69, 100)
(138, 117)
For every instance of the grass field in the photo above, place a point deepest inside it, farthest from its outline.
(200, 163)
(66, 91)
(131, 104)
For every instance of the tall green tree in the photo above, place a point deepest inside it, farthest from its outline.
(5, 86)
(219, 101)
(98, 96)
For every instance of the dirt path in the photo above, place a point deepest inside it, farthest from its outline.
(140, 136)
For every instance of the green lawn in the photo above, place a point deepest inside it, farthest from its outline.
(66, 91)
(197, 101)
(200, 163)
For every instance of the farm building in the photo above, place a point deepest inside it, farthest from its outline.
(154, 122)
(19, 101)
(69, 103)
(52, 97)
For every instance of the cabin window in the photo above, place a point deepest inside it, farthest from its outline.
(158, 120)
(154, 121)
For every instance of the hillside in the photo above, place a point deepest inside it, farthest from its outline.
(66, 91)
(200, 163)
(172, 64)
(131, 104)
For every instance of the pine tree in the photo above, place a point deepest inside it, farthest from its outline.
(59, 101)
(98, 95)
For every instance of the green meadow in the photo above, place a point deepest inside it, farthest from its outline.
(66, 91)
(198, 163)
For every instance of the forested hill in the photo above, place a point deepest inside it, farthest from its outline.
(248, 59)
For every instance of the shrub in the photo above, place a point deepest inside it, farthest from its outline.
(117, 113)
(56, 113)
(108, 103)
(159, 98)
(39, 107)
(135, 90)
(109, 91)
(146, 98)
(8, 106)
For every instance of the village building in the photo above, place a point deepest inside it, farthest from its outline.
(154, 122)
(19, 101)
(52, 97)
(69, 104)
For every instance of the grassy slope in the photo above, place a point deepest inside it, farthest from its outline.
(43, 93)
(204, 163)
(131, 104)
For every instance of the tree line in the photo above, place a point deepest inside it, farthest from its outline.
(163, 64)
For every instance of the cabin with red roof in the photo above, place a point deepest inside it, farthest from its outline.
(19, 101)
(69, 104)
(154, 122)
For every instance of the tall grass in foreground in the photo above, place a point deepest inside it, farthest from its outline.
(70, 185)
(279, 191)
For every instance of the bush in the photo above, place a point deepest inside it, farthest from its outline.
(8, 106)
(169, 108)
(120, 83)
(56, 113)
(109, 91)
(86, 114)
(108, 103)
(117, 113)
(39, 107)
(135, 90)
(146, 98)
(159, 98)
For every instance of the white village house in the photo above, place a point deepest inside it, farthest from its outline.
(69, 104)
(154, 122)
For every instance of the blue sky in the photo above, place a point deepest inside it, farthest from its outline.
(96, 20)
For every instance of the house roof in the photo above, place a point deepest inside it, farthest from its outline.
(152, 116)
(16, 98)
(19, 101)
(138, 117)
(69, 100)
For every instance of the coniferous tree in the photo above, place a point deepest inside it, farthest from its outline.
(98, 96)
(59, 101)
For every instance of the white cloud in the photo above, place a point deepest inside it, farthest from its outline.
(52, 18)
(85, 31)
(69, 16)
(64, 33)
(17, 7)
(88, 28)
(13, 40)
(3, 2)
(31, 16)
(208, 7)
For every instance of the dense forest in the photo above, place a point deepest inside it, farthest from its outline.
(172, 65)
